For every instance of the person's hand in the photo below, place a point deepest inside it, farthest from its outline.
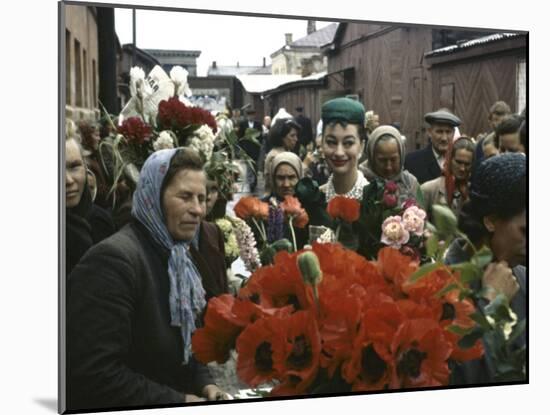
(499, 279)
(189, 398)
(213, 393)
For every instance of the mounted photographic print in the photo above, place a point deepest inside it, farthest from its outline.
(287, 207)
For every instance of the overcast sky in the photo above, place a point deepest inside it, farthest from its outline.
(224, 39)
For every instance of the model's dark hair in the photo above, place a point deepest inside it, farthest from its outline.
(184, 159)
(361, 130)
(280, 129)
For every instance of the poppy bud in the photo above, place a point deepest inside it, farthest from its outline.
(309, 266)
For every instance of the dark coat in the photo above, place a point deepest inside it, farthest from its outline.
(305, 136)
(250, 148)
(422, 164)
(121, 348)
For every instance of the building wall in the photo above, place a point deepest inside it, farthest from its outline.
(470, 87)
(82, 81)
(385, 70)
(279, 65)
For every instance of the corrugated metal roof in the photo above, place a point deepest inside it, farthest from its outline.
(256, 84)
(472, 43)
(318, 38)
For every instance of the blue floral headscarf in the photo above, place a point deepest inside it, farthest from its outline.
(187, 295)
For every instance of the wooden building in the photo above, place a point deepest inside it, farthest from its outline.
(469, 77)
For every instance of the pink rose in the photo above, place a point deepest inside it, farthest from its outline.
(389, 200)
(390, 187)
(394, 233)
(413, 220)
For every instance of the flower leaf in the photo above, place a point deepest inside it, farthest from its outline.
(481, 320)
(461, 331)
(432, 244)
(445, 220)
(471, 338)
(482, 257)
(424, 270)
(468, 271)
(447, 289)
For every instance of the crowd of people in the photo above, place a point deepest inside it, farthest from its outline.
(143, 258)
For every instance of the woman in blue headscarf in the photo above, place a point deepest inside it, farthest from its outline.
(134, 300)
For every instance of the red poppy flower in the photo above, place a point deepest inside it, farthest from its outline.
(429, 285)
(301, 220)
(291, 206)
(395, 267)
(371, 364)
(249, 206)
(260, 349)
(338, 326)
(421, 351)
(344, 208)
(217, 338)
(279, 285)
(456, 312)
(302, 343)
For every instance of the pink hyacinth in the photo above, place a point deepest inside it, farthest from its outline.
(394, 233)
(413, 220)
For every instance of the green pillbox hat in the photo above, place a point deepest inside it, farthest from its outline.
(343, 109)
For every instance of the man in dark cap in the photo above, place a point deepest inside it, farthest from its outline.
(427, 163)
(247, 129)
(305, 136)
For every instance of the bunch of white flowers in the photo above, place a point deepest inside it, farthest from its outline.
(164, 140)
(225, 126)
(202, 141)
(231, 246)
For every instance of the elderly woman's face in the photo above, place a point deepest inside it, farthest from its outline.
(461, 164)
(285, 180)
(387, 161)
(342, 148)
(184, 204)
(75, 174)
(508, 239)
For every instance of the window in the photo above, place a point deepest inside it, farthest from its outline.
(85, 63)
(521, 85)
(94, 84)
(67, 67)
(78, 73)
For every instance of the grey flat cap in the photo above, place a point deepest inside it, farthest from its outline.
(442, 117)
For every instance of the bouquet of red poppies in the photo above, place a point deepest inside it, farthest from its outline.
(326, 319)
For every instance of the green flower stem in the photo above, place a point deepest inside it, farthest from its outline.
(260, 229)
(292, 233)
(338, 231)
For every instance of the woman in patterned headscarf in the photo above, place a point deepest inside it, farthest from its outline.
(135, 299)
(386, 162)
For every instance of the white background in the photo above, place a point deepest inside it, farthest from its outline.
(28, 163)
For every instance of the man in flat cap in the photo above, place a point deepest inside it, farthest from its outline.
(427, 163)
(305, 136)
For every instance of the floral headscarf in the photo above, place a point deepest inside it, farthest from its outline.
(187, 295)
